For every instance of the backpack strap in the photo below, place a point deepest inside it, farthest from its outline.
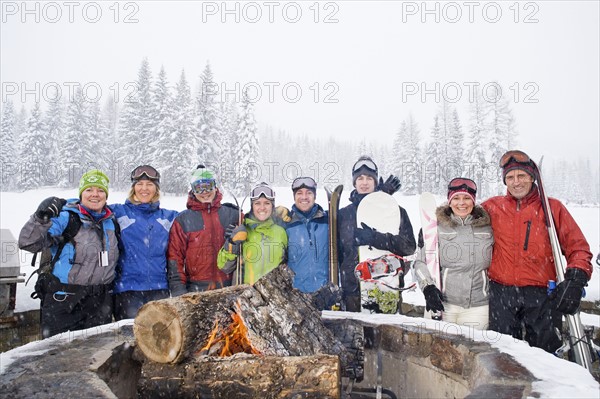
(68, 234)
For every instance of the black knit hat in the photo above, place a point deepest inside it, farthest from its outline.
(364, 166)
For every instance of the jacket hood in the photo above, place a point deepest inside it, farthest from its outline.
(478, 217)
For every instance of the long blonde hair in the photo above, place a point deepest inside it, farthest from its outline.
(131, 196)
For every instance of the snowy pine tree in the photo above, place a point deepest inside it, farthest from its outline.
(433, 160)
(178, 145)
(501, 128)
(163, 127)
(34, 151)
(9, 167)
(76, 150)
(136, 121)
(207, 136)
(55, 128)
(246, 148)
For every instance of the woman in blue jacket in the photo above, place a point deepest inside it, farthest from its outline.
(142, 268)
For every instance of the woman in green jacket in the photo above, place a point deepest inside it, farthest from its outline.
(263, 243)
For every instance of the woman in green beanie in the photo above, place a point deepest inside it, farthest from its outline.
(77, 293)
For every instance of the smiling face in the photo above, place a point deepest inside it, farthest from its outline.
(304, 199)
(144, 191)
(518, 183)
(262, 209)
(365, 184)
(206, 197)
(462, 205)
(93, 198)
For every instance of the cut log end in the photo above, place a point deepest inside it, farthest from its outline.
(159, 332)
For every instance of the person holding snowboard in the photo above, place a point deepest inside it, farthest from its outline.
(365, 181)
(465, 247)
(259, 240)
(142, 268)
(197, 235)
(522, 261)
(76, 292)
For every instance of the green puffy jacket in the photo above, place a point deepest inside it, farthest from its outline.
(263, 250)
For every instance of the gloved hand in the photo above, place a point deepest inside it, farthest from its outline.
(327, 296)
(433, 299)
(50, 208)
(567, 294)
(390, 186)
(364, 236)
(283, 213)
(229, 267)
(234, 236)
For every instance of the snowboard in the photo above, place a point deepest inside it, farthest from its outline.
(333, 198)
(427, 207)
(379, 211)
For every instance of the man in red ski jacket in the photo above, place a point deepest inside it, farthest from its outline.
(197, 235)
(522, 261)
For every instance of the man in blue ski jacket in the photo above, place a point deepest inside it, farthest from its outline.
(308, 235)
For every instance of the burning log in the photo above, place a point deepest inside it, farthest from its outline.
(243, 376)
(270, 317)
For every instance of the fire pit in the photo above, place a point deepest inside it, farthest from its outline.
(265, 340)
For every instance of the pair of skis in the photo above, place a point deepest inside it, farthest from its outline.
(578, 341)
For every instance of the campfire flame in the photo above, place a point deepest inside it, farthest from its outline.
(232, 340)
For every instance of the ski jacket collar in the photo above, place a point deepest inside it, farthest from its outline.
(355, 197)
(148, 207)
(74, 205)
(315, 212)
(478, 217)
(256, 225)
(195, 205)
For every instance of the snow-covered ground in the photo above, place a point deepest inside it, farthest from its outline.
(558, 378)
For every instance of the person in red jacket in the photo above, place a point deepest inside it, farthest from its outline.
(197, 235)
(522, 261)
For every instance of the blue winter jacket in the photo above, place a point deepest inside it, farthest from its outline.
(78, 264)
(145, 229)
(308, 248)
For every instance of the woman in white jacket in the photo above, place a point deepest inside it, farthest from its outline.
(465, 243)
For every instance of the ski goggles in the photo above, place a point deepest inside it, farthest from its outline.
(146, 170)
(202, 186)
(514, 156)
(366, 163)
(262, 190)
(462, 183)
(304, 182)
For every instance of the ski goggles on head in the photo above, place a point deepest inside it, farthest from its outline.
(145, 170)
(462, 183)
(515, 156)
(262, 190)
(367, 163)
(202, 186)
(304, 182)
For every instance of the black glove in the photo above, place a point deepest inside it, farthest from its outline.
(364, 236)
(234, 236)
(390, 186)
(327, 296)
(567, 294)
(50, 208)
(433, 299)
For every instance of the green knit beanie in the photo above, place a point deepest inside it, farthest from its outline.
(94, 178)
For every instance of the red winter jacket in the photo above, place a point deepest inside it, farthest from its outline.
(520, 259)
(196, 237)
